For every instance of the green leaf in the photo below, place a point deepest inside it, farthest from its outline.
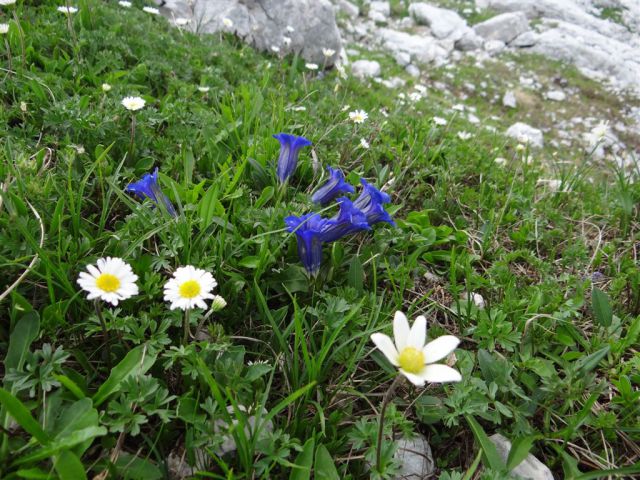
(62, 443)
(324, 467)
(601, 307)
(136, 362)
(489, 451)
(135, 468)
(70, 385)
(265, 196)
(355, 275)
(304, 460)
(24, 333)
(590, 362)
(69, 467)
(21, 414)
(520, 448)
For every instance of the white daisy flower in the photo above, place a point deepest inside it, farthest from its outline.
(290, 29)
(110, 280)
(68, 10)
(133, 103)
(358, 116)
(500, 160)
(414, 359)
(364, 144)
(106, 87)
(4, 28)
(151, 10)
(227, 22)
(286, 41)
(458, 107)
(5, 3)
(439, 121)
(124, 3)
(203, 89)
(342, 73)
(311, 66)
(23, 107)
(415, 96)
(189, 288)
(275, 49)
(464, 135)
(181, 21)
(328, 52)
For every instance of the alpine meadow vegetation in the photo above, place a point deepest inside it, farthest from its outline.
(210, 257)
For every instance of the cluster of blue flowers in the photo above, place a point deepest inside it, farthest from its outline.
(313, 230)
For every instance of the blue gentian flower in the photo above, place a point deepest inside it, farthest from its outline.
(309, 231)
(147, 187)
(290, 146)
(332, 188)
(349, 219)
(371, 202)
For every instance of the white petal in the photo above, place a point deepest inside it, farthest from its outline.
(415, 379)
(438, 373)
(385, 345)
(418, 333)
(439, 348)
(400, 330)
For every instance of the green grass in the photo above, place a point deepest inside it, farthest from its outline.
(551, 359)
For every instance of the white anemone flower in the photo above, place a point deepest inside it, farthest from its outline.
(358, 116)
(106, 87)
(133, 103)
(151, 10)
(227, 22)
(414, 359)
(328, 52)
(189, 288)
(4, 28)
(110, 280)
(439, 121)
(311, 66)
(68, 10)
(464, 135)
(364, 144)
(125, 3)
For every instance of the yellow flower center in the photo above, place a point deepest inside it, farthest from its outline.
(108, 282)
(411, 360)
(189, 289)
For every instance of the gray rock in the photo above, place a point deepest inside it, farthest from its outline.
(377, 17)
(263, 23)
(402, 58)
(529, 469)
(556, 95)
(383, 8)
(527, 39)
(526, 134)
(504, 27)
(348, 8)
(494, 47)
(394, 82)
(228, 442)
(415, 459)
(422, 49)
(443, 23)
(509, 99)
(365, 68)
(412, 70)
(469, 40)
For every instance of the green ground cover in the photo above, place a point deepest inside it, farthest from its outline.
(551, 359)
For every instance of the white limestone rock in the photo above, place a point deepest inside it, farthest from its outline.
(505, 27)
(443, 23)
(529, 469)
(365, 69)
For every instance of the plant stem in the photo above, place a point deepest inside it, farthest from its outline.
(107, 338)
(21, 35)
(6, 42)
(385, 401)
(133, 135)
(185, 338)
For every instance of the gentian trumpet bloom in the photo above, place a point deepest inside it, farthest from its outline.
(290, 146)
(309, 231)
(371, 202)
(349, 219)
(332, 187)
(147, 187)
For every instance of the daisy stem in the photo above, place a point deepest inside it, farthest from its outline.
(6, 42)
(185, 338)
(107, 338)
(133, 136)
(383, 409)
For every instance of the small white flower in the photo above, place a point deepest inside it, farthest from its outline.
(5, 3)
(258, 362)
(124, 3)
(458, 107)
(227, 22)
(420, 88)
(364, 144)
(415, 96)
(414, 359)
(358, 116)
(151, 10)
(275, 48)
(290, 29)
(189, 288)
(520, 147)
(133, 103)
(110, 280)
(464, 135)
(67, 10)
(553, 184)
(286, 41)
(23, 107)
(4, 28)
(345, 108)
(218, 303)
(500, 160)
(181, 21)
(402, 96)
(311, 66)
(79, 149)
(439, 121)
(106, 87)
(328, 52)
(524, 139)
(342, 73)
(203, 89)
(299, 108)
(600, 131)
